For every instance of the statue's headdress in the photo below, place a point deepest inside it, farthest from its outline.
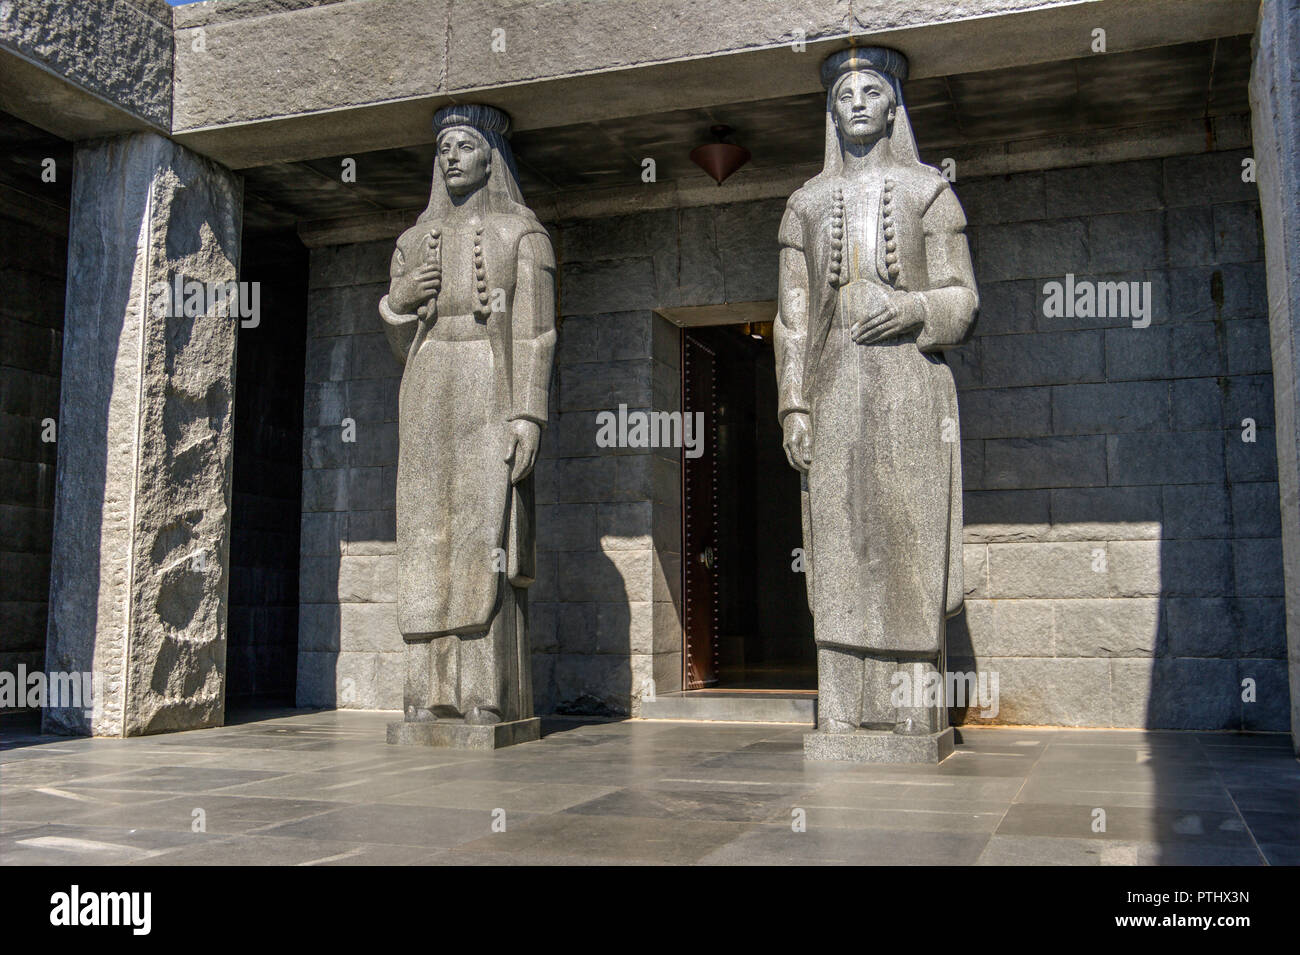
(491, 125)
(889, 64)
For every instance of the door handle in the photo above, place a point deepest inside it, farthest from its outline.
(706, 557)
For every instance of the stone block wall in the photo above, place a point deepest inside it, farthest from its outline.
(609, 527)
(34, 261)
(1086, 443)
(1123, 553)
(349, 648)
(262, 631)
(606, 602)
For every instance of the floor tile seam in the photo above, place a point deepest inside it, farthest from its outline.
(1023, 783)
(1235, 808)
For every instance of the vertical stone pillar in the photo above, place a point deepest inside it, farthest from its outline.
(1275, 118)
(142, 510)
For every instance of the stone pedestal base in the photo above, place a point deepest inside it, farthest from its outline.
(878, 746)
(456, 734)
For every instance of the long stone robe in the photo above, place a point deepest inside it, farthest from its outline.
(882, 505)
(462, 528)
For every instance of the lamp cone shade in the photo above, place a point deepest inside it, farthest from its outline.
(719, 160)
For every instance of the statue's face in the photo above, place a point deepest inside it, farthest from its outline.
(863, 107)
(463, 160)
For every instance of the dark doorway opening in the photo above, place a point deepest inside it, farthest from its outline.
(746, 622)
(262, 633)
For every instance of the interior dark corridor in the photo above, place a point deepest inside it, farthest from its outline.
(747, 622)
(262, 634)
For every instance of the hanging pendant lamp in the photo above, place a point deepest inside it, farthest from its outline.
(720, 159)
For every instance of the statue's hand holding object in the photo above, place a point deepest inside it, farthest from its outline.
(417, 290)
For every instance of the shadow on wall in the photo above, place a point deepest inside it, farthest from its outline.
(350, 654)
(607, 598)
(1123, 557)
(582, 646)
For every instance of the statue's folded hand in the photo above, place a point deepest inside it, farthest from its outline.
(900, 313)
(863, 298)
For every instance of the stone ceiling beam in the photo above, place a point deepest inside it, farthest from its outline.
(86, 68)
(360, 75)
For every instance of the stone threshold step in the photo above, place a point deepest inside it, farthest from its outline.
(766, 706)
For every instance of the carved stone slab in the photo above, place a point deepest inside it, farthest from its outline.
(139, 578)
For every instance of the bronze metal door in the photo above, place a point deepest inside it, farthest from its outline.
(699, 519)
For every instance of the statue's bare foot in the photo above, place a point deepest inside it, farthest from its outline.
(482, 716)
(911, 727)
(420, 714)
(837, 726)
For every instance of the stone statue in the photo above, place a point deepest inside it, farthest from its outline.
(471, 312)
(875, 283)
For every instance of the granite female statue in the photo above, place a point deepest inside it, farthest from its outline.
(875, 283)
(471, 312)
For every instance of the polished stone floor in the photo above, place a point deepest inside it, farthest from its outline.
(320, 788)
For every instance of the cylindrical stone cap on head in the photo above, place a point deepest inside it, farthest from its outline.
(486, 118)
(881, 59)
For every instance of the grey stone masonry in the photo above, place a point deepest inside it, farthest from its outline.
(118, 51)
(31, 352)
(623, 58)
(139, 575)
(350, 652)
(1123, 535)
(1123, 552)
(1275, 111)
(608, 593)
